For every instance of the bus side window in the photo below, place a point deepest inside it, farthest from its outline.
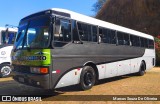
(146, 43)
(134, 41)
(143, 42)
(3, 38)
(94, 33)
(100, 36)
(87, 32)
(120, 38)
(62, 30)
(151, 44)
(84, 32)
(123, 38)
(107, 36)
(112, 35)
(75, 32)
(103, 36)
(11, 37)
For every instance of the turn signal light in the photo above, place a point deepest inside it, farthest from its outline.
(39, 70)
(44, 70)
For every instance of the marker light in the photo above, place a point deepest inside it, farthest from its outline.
(39, 70)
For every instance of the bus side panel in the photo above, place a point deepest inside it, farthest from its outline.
(70, 78)
(101, 71)
(134, 65)
(111, 70)
(123, 67)
(5, 54)
(148, 57)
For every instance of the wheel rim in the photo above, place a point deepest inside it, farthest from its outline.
(88, 78)
(5, 70)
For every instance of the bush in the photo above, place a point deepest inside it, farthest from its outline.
(157, 46)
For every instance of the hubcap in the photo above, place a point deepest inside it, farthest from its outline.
(5, 70)
(88, 77)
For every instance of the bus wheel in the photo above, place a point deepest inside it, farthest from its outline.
(87, 78)
(5, 70)
(142, 69)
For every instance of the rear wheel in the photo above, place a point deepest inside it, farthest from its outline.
(142, 69)
(5, 70)
(87, 78)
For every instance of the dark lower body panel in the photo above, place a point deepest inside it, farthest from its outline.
(41, 81)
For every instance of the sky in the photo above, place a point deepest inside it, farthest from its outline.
(11, 11)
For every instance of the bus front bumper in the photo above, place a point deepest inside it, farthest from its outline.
(41, 81)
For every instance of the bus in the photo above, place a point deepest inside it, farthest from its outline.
(7, 36)
(57, 47)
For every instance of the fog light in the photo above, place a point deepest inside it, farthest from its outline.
(35, 70)
(38, 83)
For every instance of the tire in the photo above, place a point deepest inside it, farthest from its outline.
(141, 69)
(87, 78)
(5, 70)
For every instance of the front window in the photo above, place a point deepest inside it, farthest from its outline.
(34, 33)
(62, 34)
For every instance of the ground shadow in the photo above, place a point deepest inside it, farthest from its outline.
(14, 88)
(106, 80)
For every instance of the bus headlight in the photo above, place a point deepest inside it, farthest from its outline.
(38, 70)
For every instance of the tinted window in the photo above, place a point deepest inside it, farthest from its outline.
(144, 42)
(75, 31)
(94, 33)
(107, 36)
(84, 31)
(62, 30)
(33, 33)
(123, 38)
(134, 41)
(87, 32)
(8, 37)
(150, 44)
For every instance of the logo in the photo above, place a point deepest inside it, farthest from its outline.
(41, 53)
(3, 53)
(6, 98)
(20, 98)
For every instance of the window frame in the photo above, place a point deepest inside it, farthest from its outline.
(115, 31)
(84, 23)
(136, 43)
(124, 33)
(54, 26)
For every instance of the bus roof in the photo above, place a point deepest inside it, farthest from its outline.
(10, 29)
(97, 22)
(94, 21)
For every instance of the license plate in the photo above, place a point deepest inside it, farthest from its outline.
(21, 79)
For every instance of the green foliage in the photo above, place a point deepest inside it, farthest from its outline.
(98, 5)
(157, 46)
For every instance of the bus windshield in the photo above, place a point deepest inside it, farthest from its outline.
(33, 33)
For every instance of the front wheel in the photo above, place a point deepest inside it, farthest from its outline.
(87, 78)
(5, 70)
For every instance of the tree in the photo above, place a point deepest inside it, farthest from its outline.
(98, 5)
(157, 47)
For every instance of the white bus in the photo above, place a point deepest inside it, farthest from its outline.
(67, 48)
(7, 36)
